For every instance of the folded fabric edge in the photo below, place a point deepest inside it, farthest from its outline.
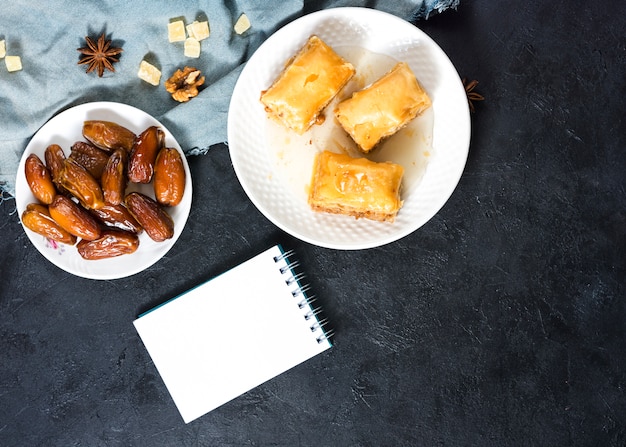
(7, 188)
(6, 193)
(427, 9)
(202, 150)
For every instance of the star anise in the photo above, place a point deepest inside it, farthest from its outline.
(100, 55)
(472, 96)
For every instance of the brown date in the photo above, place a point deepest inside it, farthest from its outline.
(114, 179)
(74, 219)
(108, 135)
(118, 216)
(36, 217)
(110, 244)
(157, 223)
(54, 157)
(144, 153)
(169, 177)
(89, 157)
(81, 184)
(39, 179)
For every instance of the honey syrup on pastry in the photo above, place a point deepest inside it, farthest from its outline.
(293, 155)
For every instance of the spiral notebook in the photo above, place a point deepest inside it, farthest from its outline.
(233, 333)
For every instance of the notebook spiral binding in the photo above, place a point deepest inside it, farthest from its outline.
(306, 301)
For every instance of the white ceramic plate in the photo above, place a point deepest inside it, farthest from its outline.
(274, 166)
(65, 129)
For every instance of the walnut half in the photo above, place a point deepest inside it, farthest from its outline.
(183, 85)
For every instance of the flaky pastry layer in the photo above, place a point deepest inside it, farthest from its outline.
(309, 81)
(356, 187)
(383, 108)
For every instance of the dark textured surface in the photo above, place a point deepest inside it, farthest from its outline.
(500, 322)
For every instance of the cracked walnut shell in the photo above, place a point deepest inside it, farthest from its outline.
(183, 85)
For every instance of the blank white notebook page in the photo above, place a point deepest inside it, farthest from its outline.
(230, 334)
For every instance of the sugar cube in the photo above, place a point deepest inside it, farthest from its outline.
(14, 63)
(198, 30)
(242, 25)
(149, 73)
(176, 31)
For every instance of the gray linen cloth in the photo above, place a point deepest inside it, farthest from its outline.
(46, 36)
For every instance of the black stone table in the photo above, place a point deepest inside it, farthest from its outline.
(499, 322)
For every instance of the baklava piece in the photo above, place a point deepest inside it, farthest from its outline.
(383, 108)
(356, 187)
(309, 81)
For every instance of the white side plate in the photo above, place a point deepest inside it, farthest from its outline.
(65, 129)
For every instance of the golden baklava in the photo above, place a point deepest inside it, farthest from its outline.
(356, 187)
(309, 81)
(383, 108)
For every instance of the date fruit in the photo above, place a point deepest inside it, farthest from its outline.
(169, 177)
(114, 179)
(74, 219)
(83, 197)
(110, 244)
(143, 156)
(81, 184)
(89, 157)
(157, 223)
(54, 157)
(36, 217)
(39, 179)
(108, 135)
(118, 216)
